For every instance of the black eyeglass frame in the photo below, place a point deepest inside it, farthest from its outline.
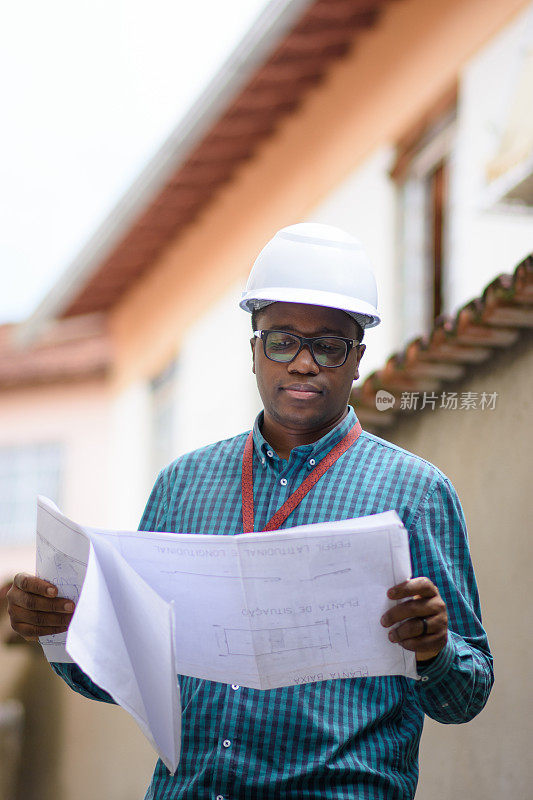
(309, 342)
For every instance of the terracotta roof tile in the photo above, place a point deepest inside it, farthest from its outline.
(69, 350)
(453, 348)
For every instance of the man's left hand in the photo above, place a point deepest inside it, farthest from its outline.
(422, 616)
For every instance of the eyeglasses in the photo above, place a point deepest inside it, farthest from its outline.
(327, 351)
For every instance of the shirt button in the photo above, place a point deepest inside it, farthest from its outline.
(424, 678)
(283, 481)
(270, 453)
(226, 743)
(235, 686)
(312, 462)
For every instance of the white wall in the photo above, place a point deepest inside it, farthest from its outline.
(131, 477)
(216, 394)
(364, 205)
(484, 240)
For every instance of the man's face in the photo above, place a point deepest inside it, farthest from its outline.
(302, 395)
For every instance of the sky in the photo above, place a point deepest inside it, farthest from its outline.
(89, 90)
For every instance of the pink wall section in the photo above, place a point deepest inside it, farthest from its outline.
(77, 416)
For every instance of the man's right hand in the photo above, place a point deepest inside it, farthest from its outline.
(34, 608)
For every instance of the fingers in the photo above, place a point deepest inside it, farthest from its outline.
(32, 624)
(33, 632)
(425, 646)
(410, 635)
(30, 583)
(34, 608)
(413, 628)
(41, 619)
(416, 586)
(421, 602)
(35, 602)
(412, 608)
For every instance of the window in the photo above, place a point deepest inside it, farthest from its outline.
(25, 472)
(421, 173)
(164, 406)
(510, 171)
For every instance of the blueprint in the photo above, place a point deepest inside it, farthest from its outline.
(262, 610)
(62, 552)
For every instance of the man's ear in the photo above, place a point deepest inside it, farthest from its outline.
(360, 353)
(252, 345)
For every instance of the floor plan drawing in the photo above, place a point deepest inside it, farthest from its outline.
(267, 641)
(68, 571)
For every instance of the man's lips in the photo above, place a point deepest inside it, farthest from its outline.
(301, 391)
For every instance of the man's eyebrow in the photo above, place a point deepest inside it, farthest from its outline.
(318, 331)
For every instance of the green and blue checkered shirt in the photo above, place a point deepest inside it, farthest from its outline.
(350, 738)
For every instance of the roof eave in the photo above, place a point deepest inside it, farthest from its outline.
(277, 19)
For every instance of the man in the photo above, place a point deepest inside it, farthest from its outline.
(312, 293)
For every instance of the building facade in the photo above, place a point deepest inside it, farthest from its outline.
(397, 123)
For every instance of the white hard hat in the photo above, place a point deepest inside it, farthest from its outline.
(316, 264)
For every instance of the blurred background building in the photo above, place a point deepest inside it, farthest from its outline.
(408, 123)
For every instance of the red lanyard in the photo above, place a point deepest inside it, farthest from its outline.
(298, 495)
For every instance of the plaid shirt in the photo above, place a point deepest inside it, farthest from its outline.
(350, 738)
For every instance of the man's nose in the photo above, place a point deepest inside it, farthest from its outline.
(304, 363)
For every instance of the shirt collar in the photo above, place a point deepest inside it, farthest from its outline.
(316, 450)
